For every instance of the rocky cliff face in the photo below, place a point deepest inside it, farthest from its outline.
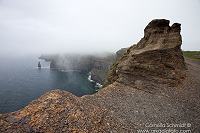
(121, 52)
(96, 65)
(149, 88)
(157, 58)
(101, 67)
(82, 63)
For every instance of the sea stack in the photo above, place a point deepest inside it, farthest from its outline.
(39, 65)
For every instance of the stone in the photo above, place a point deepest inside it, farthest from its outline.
(156, 58)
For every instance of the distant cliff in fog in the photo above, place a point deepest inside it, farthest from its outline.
(97, 66)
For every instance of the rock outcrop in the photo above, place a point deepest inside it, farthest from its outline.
(157, 58)
(120, 52)
(148, 88)
(100, 68)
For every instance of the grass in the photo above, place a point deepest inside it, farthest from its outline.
(195, 55)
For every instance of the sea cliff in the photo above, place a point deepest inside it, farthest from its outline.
(150, 84)
(96, 66)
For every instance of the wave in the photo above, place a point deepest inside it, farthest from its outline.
(98, 85)
(90, 77)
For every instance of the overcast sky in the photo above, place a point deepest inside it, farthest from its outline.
(57, 26)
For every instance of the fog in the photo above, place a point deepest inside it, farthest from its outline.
(89, 26)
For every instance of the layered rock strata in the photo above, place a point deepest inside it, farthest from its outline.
(156, 58)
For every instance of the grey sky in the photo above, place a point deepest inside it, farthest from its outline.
(49, 26)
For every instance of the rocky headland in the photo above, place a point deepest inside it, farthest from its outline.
(96, 66)
(151, 86)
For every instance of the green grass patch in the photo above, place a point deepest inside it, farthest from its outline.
(195, 55)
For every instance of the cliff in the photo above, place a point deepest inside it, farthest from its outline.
(157, 58)
(96, 65)
(149, 87)
(120, 52)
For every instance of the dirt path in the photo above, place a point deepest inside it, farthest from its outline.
(192, 62)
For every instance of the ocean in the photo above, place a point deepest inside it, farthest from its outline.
(21, 82)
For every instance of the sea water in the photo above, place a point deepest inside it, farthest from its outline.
(21, 82)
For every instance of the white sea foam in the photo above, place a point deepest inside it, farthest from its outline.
(98, 85)
(90, 77)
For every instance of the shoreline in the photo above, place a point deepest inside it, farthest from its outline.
(98, 85)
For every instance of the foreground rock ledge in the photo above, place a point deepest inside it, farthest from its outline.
(149, 84)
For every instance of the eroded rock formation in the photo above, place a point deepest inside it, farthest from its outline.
(148, 85)
(157, 58)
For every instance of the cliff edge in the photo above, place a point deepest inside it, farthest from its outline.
(150, 87)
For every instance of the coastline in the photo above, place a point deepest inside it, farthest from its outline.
(98, 85)
(151, 83)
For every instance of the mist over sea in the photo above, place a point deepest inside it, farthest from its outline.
(21, 82)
